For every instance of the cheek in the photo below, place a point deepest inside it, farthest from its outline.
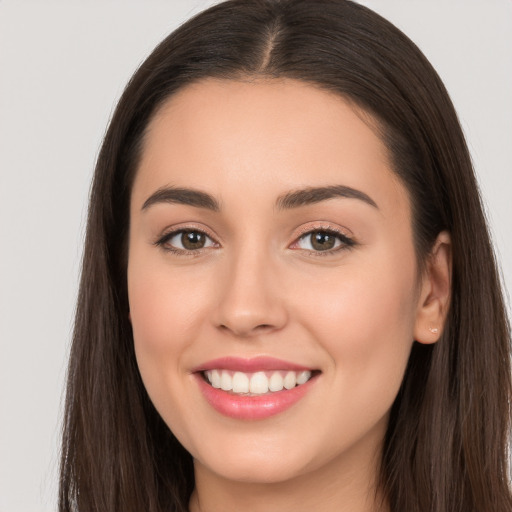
(161, 309)
(164, 314)
(364, 319)
(164, 303)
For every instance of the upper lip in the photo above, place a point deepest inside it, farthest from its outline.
(254, 364)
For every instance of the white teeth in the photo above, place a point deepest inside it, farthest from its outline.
(226, 382)
(290, 380)
(303, 377)
(276, 382)
(257, 383)
(215, 380)
(240, 383)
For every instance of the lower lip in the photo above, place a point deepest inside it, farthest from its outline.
(252, 407)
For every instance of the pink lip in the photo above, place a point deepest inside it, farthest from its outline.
(251, 407)
(261, 363)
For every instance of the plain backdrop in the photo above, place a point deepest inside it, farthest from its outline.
(63, 65)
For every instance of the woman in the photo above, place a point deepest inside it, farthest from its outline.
(282, 301)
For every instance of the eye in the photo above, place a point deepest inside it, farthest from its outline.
(324, 240)
(185, 241)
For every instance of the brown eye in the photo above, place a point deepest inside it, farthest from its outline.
(192, 240)
(185, 241)
(322, 240)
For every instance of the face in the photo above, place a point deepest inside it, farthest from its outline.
(270, 245)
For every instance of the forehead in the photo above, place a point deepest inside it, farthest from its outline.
(262, 137)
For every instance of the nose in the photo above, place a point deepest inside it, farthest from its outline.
(251, 298)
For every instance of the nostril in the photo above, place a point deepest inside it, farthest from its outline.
(246, 332)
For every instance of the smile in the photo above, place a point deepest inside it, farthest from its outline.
(258, 383)
(253, 389)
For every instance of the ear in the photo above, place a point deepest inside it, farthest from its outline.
(435, 291)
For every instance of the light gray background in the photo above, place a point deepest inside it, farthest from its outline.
(63, 65)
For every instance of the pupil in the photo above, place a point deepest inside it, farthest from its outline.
(192, 240)
(322, 241)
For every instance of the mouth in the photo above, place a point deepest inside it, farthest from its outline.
(256, 383)
(253, 389)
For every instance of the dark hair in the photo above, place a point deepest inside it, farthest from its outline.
(446, 444)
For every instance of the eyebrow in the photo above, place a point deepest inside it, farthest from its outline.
(290, 200)
(187, 196)
(311, 195)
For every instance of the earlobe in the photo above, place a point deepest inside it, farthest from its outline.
(435, 293)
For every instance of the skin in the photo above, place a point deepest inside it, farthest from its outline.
(258, 288)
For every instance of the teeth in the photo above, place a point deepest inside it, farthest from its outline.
(226, 382)
(290, 380)
(240, 383)
(257, 383)
(215, 378)
(275, 382)
(303, 377)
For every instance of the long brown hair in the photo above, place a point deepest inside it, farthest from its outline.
(446, 445)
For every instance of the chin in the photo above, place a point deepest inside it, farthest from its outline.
(258, 471)
(273, 461)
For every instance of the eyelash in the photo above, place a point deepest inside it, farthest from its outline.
(346, 242)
